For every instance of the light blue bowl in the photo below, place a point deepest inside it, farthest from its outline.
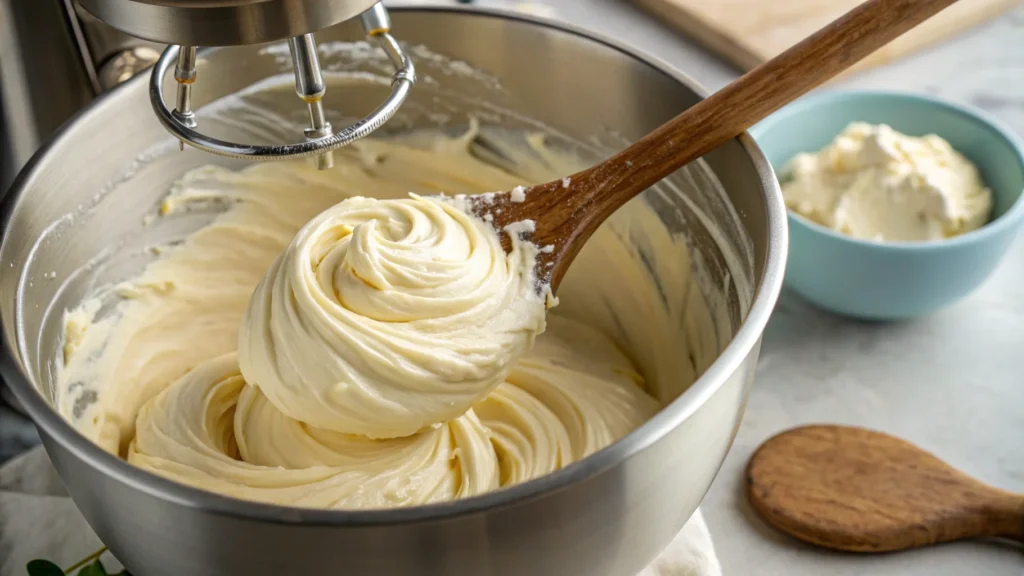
(884, 281)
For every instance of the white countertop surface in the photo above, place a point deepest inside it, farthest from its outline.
(952, 383)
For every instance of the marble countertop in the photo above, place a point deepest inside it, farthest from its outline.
(951, 382)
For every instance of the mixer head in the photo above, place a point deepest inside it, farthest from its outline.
(187, 24)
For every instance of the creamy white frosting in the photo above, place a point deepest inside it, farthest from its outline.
(385, 316)
(212, 430)
(170, 397)
(573, 395)
(875, 183)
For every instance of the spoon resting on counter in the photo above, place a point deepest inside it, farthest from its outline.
(857, 490)
(565, 213)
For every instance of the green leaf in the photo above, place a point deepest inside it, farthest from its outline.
(94, 569)
(43, 568)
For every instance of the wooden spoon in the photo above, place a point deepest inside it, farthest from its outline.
(565, 215)
(862, 491)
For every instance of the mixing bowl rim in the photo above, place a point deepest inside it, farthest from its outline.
(995, 129)
(671, 416)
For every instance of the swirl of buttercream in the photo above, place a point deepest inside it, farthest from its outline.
(386, 316)
(573, 394)
(211, 430)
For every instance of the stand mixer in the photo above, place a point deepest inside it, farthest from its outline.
(187, 24)
(57, 55)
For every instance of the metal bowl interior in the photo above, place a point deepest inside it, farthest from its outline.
(74, 221)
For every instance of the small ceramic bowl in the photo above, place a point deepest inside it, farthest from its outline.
(884, 281)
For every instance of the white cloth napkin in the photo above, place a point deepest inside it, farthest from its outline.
(38, 520)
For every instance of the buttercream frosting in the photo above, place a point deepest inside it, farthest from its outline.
(382, 317)
(875, 183)
(159, 379)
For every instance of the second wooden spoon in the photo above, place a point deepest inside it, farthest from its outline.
(859, 490)
(565, 215)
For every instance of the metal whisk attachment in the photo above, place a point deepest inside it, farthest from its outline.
(320, 140)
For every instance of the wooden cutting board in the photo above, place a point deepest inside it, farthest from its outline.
(749, 32)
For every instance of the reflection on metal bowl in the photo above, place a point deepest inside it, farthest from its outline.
(85, 194)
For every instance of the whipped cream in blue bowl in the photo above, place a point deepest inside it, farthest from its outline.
(899, 204)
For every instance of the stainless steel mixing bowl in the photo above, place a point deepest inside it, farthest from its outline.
(84, 196)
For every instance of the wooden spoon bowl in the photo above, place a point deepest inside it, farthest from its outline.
(858, 490)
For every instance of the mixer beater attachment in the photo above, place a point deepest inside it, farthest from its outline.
(309, 85)
(185, 75)
(186, 24)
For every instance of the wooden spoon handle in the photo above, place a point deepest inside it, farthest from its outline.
(730, 111)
